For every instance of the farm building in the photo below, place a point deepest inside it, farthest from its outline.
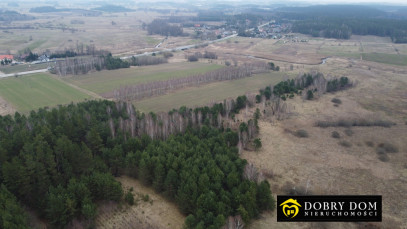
(8, 57)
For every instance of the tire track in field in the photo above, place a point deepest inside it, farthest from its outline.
(90, 93)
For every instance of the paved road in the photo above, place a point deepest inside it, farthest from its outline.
(22, 73)
(185, 47)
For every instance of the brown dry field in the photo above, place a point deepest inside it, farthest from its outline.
(326, 166)
(156, 213)
(268, 49)
(286, 51)
(125, 37)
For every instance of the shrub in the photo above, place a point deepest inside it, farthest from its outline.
(388, 147)
(345, 144)
(268, 173)
(383, 157)
(168, 54)
(192, 58)
(310, 95)
(210, 55)
(129, 198)
(146, 198)
(336, 101)
(348, 132)
(369, 143)
(355, 122)
(257, 143)
(335, 134)
(301, 134)
(380, 150)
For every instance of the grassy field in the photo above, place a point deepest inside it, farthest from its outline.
(384, 58)
(107, 81)
(213, 92)
(34, 91)
(24, 68)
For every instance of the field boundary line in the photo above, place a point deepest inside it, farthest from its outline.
(90, 93)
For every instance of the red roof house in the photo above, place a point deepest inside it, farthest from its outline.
(10, 57)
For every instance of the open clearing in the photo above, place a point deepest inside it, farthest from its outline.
(155, 213)
(307, 50)
(323, 166)
(26, 93)
(213, 92)
(107, 81)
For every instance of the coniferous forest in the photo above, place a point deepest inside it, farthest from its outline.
(341, 21)
(61, 161)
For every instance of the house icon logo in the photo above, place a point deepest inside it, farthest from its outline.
(290, 208)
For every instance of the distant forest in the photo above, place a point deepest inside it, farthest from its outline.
(7, 15)
(161, 27)
(46, 9)
(113, 9)
(342, 21)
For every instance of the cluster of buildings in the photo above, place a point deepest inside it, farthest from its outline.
(271, 30)
(6, 59)
(10, 60)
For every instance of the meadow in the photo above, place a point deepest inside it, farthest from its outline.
(213, 92)
(107, 81)
(26, 93)
(303, 49)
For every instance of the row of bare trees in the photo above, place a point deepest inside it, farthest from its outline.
(77, 66)
(161, 125)
(139, 91)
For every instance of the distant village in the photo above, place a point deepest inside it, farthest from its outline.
(14, 60)
(271, 30)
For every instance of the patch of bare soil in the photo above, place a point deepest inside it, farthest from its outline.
(156, 212)
(320, 164)
(5, 108)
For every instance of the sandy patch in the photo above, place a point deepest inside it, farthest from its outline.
(155, 213)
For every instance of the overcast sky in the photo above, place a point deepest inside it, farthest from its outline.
(317, 2)
(399, 2)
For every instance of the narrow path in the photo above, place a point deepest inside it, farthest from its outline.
(23, 73)
(90, 93)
